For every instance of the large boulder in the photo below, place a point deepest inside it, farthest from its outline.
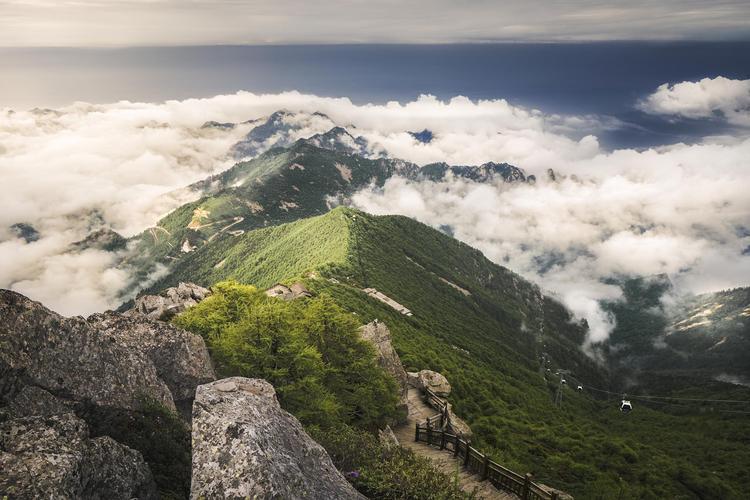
(246, 446)
(379, 336)
(71, 358)
(181, 358)
(456, 425)
(53, 457)
(170, 302)
(428, 379)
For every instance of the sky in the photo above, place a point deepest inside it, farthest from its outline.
(106, 23)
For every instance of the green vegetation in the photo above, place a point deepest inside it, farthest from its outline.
(686, 345)
(310, 350)
(488, 343)
(161, 436)
(383, 472)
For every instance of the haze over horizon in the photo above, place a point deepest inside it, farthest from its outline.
(97, 23)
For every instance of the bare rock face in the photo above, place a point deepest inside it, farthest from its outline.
(456, 425)
(170, 302)
(428, 379)
(378, 335)
(296, 291)
(68, 356)
(53, 457)
(181, 358)
(246, 446)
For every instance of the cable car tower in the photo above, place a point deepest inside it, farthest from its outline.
(563, 382)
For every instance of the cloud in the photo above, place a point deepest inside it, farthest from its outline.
(708, 98)
(175, 22)
(678, 209)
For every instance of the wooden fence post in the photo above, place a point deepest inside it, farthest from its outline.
(429, 433)
(555, 496)
(416, 433)
(456, 444)
(442, 440)
(486, 467)
(468, 452)
(526, 486)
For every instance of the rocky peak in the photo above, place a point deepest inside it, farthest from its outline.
(246, 446)
(170, 302)
(340, 140)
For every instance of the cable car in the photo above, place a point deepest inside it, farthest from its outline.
(579, 388)
(563, 381)
(625, 406)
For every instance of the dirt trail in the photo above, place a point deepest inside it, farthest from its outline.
(443, 460)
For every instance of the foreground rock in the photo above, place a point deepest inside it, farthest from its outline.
(53, 457)
(181, 358)
(428, 379)
(246, 446)
(170, 302)
(378, 335)
(68, 356)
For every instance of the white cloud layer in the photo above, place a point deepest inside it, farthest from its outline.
(708, 98)
(677, 209)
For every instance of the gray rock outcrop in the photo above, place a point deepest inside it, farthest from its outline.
(295, 291)
(170, 302)
(246, 446)
(379, 335)
(181, 358)
(68, 356)
(54, 457)
(428, 379)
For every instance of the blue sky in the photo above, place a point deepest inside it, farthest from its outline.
(198, 22)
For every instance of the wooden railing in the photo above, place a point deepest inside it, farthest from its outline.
(433, 432)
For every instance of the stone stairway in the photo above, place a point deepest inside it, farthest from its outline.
(443, 460)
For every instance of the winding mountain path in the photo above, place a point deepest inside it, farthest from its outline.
(443, 460)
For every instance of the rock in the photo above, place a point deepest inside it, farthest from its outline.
(379, 336)
(33, 401)
(387, 437)
(296, 291)
(428, 379)
(53, 457)
(456, 425)
(69, 357)
(246, 446)
(181, 358)
(170, 302)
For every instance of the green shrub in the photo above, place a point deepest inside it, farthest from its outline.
(383, 472)
(309, 349)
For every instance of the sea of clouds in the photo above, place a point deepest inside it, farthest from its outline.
(681, 209)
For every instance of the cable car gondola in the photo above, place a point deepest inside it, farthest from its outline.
(579, 388)
(625, 406)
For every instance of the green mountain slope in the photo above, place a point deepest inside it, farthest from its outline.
(486, 329)
(281, 185)
(693, 338)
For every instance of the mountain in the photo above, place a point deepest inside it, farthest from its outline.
(482, 173)
(493, 335)
(691, 337)
(280, 129)
(282, 185)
